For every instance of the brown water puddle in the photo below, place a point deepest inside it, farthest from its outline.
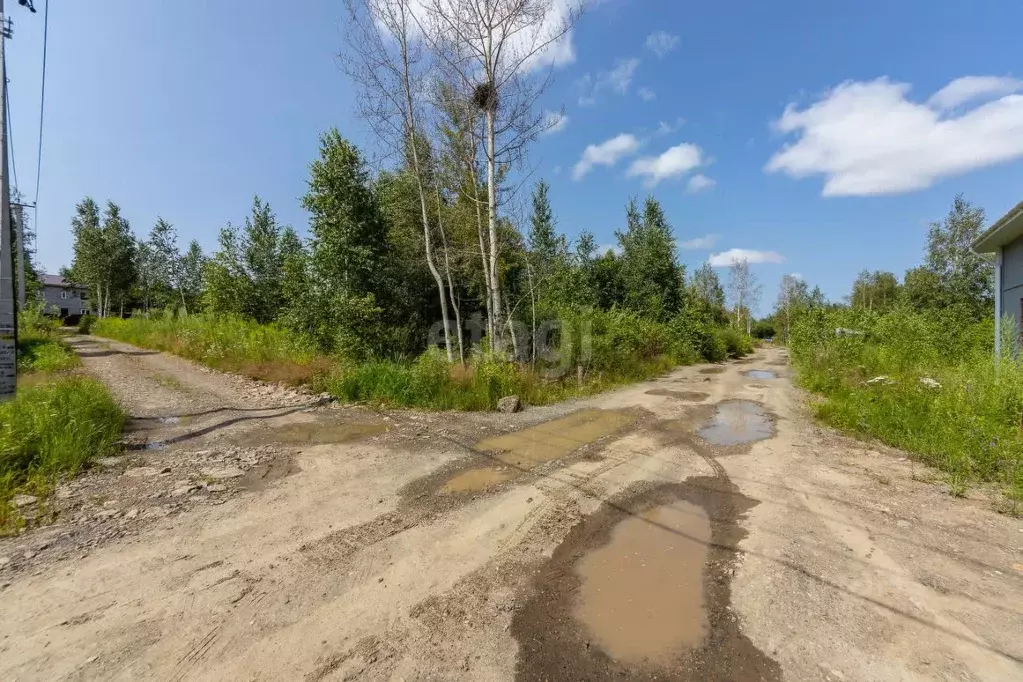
(641, 595)
(641, 590)
(737, 422)
(712, 370)
(554, 439)
(477, 480)
(314, 433)
(761, 374)
(695, 396)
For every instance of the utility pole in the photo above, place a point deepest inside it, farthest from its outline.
(8, 314)
(8, 318)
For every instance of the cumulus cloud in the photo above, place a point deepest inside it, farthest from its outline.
(705, 242)
(674, 162)
(661, 42)
(699, 183)
(555, 122)
(647, 94)
(617, 81)
(972, 89)
(869, 138)
(607, 153)
(726, 258)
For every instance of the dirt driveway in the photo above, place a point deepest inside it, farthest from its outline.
(697, 526)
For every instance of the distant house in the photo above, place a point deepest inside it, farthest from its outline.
(1005, 240)
(63, 299)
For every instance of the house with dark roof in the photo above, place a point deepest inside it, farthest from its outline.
(64, 299)
(1005, 239)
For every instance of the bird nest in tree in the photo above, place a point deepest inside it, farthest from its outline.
(485, 96)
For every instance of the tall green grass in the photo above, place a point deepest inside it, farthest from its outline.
(969, 426)
(224, 342)
(49, 430)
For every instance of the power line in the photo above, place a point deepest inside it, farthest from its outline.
(42, 99)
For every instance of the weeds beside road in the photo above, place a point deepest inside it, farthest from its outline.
(616, 347)
(923, 382)
(55, 424)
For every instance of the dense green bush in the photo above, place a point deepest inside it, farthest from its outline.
(40, 346)
(85, 323)
(968, 425)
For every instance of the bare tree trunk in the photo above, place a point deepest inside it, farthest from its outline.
(514, 339)
(495, 280)
(483, 257)
(451, 286)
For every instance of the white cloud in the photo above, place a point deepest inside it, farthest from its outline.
(797, 275)
(674, 162)
(869, 139)
(668, 128)
(972, 89)
(607, 153)
(699, 182)
(661, 42)
(647, 94)
(705, 242)
(726, 258)
(555, 122)
(617, 80)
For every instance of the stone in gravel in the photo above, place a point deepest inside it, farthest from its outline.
(29, 555)
(107, 514)
(64, 493)
(141, 472)
(223, 473)
(508, 404)
(131, 513)
(901, 523)
(183, 490)
(216, 487)
(109, 461)
(4, 561)
(24, 500)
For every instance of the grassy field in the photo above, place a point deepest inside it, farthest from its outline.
(925, 383)
(609, 348)
(56, 423)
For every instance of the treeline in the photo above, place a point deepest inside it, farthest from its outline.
(359, 285)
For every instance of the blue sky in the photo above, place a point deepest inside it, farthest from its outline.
(185, 110)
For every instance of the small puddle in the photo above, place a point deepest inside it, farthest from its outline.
(695, 396)
(477, 480)
(554, 439)
(155, 445)
(641, 595)
(737, 422)
(712, 370)
(761, 374)
(169, 420)
(314, 433)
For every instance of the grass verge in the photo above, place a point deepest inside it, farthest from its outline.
(926, 383)
(51, 430)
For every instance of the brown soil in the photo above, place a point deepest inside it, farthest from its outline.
(692, 396)
(271, 536)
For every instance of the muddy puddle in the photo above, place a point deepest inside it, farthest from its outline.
(641, 596)
(712, 370)
(262, 475)
(737, 422)
(552, 440)
(477, 480)
(760, 374)
(695, 396)
(640, 590)
(314, 433)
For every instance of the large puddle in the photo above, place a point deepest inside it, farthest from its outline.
(761, 374)
(641, 595)
(315, 433)
(737, 422)
(554, 439)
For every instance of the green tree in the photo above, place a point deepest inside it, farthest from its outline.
(261, 252)
(193, 263)
(162, 263)
(706, 291)
(652, 278)
(966, 278)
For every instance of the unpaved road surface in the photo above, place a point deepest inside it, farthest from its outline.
(693, 527)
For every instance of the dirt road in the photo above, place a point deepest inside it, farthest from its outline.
(697, 526)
